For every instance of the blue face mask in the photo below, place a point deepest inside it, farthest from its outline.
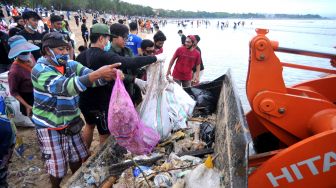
(59, 59)
(24, 57)
(107, 47)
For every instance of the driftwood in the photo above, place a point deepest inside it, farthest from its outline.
(117, 169)
(197, 153)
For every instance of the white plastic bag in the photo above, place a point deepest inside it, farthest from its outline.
(153, 109)
(181, 105)
(12, 104)
(203, 177)
(166, 106)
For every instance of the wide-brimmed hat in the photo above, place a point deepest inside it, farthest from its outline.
(18, 44)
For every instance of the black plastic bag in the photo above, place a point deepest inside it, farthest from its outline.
(205, 101)
(207, 134)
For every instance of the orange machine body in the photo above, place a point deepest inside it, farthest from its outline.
(302, 118)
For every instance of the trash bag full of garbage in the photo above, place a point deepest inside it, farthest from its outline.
(125, 124)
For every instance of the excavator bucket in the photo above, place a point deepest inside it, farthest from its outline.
(232, 137)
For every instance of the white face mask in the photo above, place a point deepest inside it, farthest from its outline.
(31, 28)
(24, 57)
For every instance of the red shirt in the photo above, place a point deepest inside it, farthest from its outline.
(158, 51)
(186, 60)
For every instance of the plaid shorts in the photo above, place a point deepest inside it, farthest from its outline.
(58, 149)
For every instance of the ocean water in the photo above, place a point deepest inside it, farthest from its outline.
(229, 48)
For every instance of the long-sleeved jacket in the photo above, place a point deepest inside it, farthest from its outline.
(56, 95)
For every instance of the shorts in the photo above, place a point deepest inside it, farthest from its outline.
(98, 118)
(59, 149)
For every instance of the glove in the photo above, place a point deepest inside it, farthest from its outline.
(142, 84)
(160, 57)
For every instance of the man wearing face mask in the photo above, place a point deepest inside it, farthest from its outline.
(57, 82)
(56, 26)
(30, 32)
(94, 102)
(19, 75)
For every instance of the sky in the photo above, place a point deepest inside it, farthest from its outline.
(326, 8)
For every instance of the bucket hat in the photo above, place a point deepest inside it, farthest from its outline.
(18, 44)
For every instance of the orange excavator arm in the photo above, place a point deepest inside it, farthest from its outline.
(301, 119)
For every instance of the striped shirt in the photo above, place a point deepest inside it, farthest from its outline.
(56, 95)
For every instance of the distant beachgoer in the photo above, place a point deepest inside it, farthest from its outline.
(186, 58)
(183, 37)
(133, 40)
(65, 24)
(15, 12)
(8, 10)
(77, 19)
(46, 12)
(156, 28)
(85, 32)
(159, 39)
(68, 14)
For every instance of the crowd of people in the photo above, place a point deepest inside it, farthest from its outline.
(54, 85)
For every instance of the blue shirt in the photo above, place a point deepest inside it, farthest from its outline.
(134, 42)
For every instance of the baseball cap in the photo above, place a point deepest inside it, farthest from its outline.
(100, 28)
(54, 40)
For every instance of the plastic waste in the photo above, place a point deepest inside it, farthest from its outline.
(163, 180)
(203, 177)
(207, 134)
(125, 125)
(19, 146)
(166, 106)
(145, 169)
(208, 162)
(205, 101)
(13, 105)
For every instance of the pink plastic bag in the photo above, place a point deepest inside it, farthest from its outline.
(125, 125)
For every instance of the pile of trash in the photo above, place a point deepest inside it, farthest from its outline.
(185, 153)
(184, 159)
